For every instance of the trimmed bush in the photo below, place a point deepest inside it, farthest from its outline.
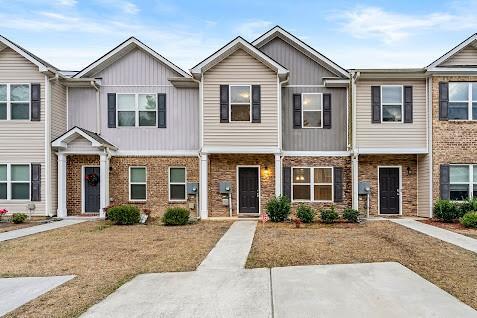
(446, 210)
(278, 209)
(351, 215)
(18, 218)
(124, 214)
(176, 216)
(329, 215)
(469, 219)
(469, 205)
(305, 213)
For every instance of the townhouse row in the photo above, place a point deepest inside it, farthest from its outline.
(251, 121)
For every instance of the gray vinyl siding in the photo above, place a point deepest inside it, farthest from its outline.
(424, 165)
(23, 141)
(139, 72)
(305, 71)
(465, 57)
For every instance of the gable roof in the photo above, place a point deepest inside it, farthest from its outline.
(437, 64)
(42, 64)
(95, 139)
(278, 31)
(231, 47)
(120, 51)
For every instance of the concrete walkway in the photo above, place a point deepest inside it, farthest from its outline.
(444, 235)
(10, 235)
(18, 291)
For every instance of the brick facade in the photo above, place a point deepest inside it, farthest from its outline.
(223, 167)
(368, 171)
(344, 162)
(74, 182)
(453, 141)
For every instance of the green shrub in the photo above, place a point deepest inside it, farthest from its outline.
(446, 210)
(469, 219)
(329, 215)
(351, 215)
(278, 209)
(469, 205)
(124, 214)
(18, 218)
(176, 216)
(305, 213)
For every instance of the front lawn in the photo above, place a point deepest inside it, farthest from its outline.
(449, 267)
(103, 257)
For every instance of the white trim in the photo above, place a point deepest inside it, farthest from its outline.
(60, 141)
(403, 151)
(137, 110)
(67, 108)
(316, 153)
(138, 85)
(41, 67)
(469, 100)
(303, 85)
(303, 110)
(392, 104)
(400, 190)
(240, 104)
(48, 200)
(241, 150)
(203, 186)
(312, 184)
(429, 147)
(158, 153)
(83, 199)
(259, 187)
(9, 182)
(169, 183)
(139, 183)
(470, 182)
(446, 56)
(9, 102)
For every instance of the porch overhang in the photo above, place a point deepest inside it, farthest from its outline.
(63, 142)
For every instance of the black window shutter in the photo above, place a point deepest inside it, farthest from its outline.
(296, 110)
(35, 182)
(327, 111)
(224, 103)
(444, 180)
(161, 111)
(443, 100)
(408, 104)
(286, 181)
(35, 96)
(338, 184)
(376, 104)
(111, 110)
(256, 106)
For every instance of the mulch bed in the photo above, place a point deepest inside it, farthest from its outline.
(454, 227)
(9, 226)
(451, 268)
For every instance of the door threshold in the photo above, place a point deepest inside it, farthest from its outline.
(248, 215)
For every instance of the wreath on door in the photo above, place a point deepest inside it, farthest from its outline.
(92, 179)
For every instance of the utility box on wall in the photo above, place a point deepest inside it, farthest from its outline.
(192, 188)
(225, 187)
(363, 187)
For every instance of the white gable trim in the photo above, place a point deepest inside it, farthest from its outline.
(433, 66)
(228, 49)
(62, 143)
(125, 45)
(300, 45)
(13, 46)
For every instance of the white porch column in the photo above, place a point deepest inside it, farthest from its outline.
(103, 183)
(278, 175)
(204, 186)
(354, 180)
(61, 212)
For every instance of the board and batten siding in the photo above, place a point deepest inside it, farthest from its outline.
(423, 185)
(23, 141)
(390, 135)
(139, 72)
(466, 56)
(240, 68)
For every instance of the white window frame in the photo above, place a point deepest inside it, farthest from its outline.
(9, 102)
(470, 182)
(9, 181)
(169, 183)
(468, 101)
(303, 110)
(136, 110)
(312, 184)
(139, 183)
(392, 104)
(249, 103)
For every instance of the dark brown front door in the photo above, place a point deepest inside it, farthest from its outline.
(248, 189)
(389, 190)
(91, 189)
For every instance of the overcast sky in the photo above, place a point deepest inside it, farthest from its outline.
(72, 33)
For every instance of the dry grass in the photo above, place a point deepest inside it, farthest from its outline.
(449, 267)
(103, 257)
(454, 227)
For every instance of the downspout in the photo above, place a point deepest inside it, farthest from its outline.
(280, 136)
(354, 151)
(197, 204)
(98, 109)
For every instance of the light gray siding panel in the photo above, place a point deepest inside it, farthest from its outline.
(423, 185)
(58, 109)
(79, 144)
(465, 57)
(82, 108)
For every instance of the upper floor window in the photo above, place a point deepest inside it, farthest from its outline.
(14, 182)
(463, 182)
(240, 102)
(312, 184)
(14, 101)
(391, 103)
(462, 101)
(136, 110)
(312, 110)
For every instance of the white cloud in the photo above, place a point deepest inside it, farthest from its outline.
(252, 29)
(129, 8)
(66, 3)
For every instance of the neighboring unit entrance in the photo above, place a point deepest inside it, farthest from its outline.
(91, 189)
(389, 190)
(248, 189)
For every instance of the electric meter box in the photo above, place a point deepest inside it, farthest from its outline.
(192, 188)
(225, 187)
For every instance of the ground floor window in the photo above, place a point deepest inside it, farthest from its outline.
(312, 184)
(463, 182)
(137, 183)
(15, 182)
(177, 183)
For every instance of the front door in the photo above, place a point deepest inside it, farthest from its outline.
(91, 189)
(389, 192)
(248, 193)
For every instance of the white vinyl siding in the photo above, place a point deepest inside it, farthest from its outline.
(465, 57)
(423, 185)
